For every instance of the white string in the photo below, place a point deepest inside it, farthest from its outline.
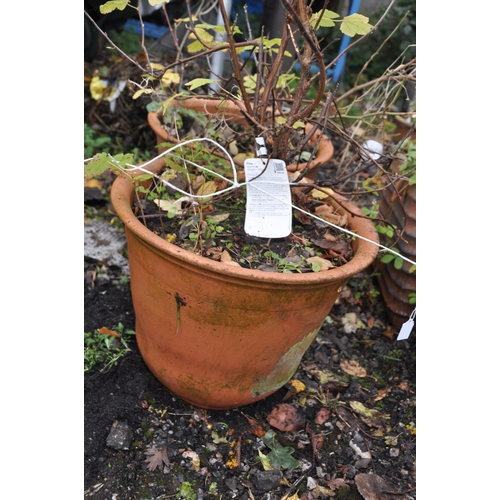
(234, 185)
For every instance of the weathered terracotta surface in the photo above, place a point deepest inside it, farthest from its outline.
(229, 110)
(220, 336)
(396, 284)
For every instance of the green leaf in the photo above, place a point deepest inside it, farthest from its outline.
(113, 5)
(97, 166)
(398, 263)
(204, 35)
(194, 47)
(282, 457)
(387, 258)
(355, 24)
(326, 19)
(198, 82)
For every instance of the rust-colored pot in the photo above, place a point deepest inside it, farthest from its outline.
(220, 336)
(396, 284)
(232, 112)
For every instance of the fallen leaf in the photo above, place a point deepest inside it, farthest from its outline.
(381, 394)
(157, 456)
(217, 217)
(327, 378)
(195, 459)
(328, 213)
(92, 183)
(286, 418)
(226, 258)
(322, 492)
(256, 427)
(362, 410)
(197, 182)
(339, 245)
(352, 367)
(322, 416)
(107, 331)
(322, 264)
(297, 385)
(266, 463)
(336, 483)
(322, 194)
(169, 206)
(352, 322)
(218, 439)
(374, 487)
(207, 188)
(293, 497)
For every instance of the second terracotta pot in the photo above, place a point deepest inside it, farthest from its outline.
(230, 111)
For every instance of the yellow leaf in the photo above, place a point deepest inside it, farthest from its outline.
(94, 183)
(156, 66)
(297, 385)
(362, 410)
(293, 497)
(266, 463)
(97, 87)
(232, 463)
(142, 91)
(321, 194)
(170, 77)
(157, 2)
(207, 188)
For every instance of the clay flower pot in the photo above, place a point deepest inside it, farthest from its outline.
(221, 336)
(230, 111)
(396, 284)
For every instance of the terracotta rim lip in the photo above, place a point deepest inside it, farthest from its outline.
(325, 149)
(122, 194)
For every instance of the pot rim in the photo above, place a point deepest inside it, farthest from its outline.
(122, 196)
(325, 149)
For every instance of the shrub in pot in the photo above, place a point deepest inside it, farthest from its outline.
(219, 335)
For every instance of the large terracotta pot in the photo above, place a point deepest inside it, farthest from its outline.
(232, 112)
(220, 336)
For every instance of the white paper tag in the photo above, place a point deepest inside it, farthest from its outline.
(269, 209)
(407, 327)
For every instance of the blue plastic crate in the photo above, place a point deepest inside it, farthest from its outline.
(151, 30)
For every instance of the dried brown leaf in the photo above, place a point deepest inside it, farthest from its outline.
(256, 427)
(286, 418)
(322, 416)
(157, 456)
(352, 367)
(374, 487)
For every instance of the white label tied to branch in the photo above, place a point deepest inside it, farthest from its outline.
(269, 202)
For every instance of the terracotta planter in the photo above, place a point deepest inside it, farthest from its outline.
(220, 336)
(232, 112)
(396, 284)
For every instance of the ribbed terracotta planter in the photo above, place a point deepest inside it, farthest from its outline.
(396, 284)
(220, 336)
(232, 112)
